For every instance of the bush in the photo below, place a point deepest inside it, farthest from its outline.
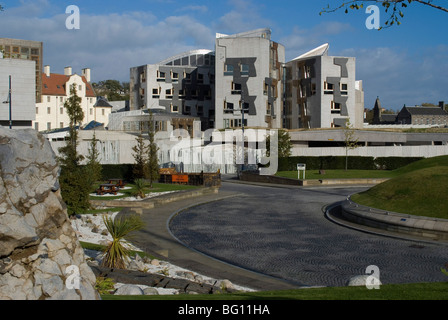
(338, 163)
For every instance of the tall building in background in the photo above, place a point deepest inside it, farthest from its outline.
(322, 91)
(182, 85)
(249, 73)
(26, 50)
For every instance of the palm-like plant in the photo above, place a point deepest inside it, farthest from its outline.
(116, 253)
(140, 188)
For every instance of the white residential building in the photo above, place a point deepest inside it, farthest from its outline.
(51, 113)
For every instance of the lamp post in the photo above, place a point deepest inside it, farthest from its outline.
(10, 104)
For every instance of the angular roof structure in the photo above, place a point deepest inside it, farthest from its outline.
(319, 51)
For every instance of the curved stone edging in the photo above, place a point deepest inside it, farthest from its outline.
(431, 228)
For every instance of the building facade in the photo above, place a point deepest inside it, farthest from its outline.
(249, 73)
(321, 91)
(181, 85)
(19, 106)
(429, 116)
(51, 113)
(26, 50)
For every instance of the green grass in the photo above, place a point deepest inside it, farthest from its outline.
(157, 187)
(338, 174)
(420, 192)
(419, 291)
(416, 189)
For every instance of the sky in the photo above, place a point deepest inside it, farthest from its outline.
(402, 65)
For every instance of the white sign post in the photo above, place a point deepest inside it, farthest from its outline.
(301, 167)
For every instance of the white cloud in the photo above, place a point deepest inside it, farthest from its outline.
(109, 44)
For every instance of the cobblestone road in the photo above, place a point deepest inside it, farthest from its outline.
(284, 233)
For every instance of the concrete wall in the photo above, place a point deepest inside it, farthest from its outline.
(23, 90)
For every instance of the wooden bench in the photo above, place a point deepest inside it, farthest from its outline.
(107, 189)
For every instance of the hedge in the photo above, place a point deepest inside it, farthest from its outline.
(338, 163)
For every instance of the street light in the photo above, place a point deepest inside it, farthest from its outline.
(10, 104)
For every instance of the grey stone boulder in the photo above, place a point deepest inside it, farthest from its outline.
(129, 290)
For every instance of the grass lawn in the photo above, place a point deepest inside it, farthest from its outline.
(157, 187)
(338, 174)
(420, 291)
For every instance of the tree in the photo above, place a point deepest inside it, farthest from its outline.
(350, 141)
(75, 188)
(394, 8)
(140, 156)
(284, 144)
(153, 161)
(94, 168)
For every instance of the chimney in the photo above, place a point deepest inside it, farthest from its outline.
(68, 71)
(47, 71)
(86, 74)
(442, 105)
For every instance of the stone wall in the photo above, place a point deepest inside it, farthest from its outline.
(40, 256)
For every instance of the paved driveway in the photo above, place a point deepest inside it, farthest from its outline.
(283, 232)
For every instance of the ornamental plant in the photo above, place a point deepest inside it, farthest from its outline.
(116, 253)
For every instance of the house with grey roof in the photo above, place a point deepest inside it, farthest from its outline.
(434, 116)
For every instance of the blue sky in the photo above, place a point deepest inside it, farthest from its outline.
(402, 65)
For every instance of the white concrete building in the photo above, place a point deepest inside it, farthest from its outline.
(23, 92)
(51, 113)
(181, 85)
(322, 91)
(249, 71)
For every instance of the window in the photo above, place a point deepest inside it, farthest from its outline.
(37, 110)
(328, 88)
(174, 76)
(156, 93)
(103, 112)
(335, 107)
(244, 69)
(236, 88)
(48, 125)
(169, 93)
(36, 126)
(174, 109)
(80, 88)
(61, 125)
(228, 107)
(61, 110)
(200, 78)
(228, 70)
(48, 110)
(161, 76)
(344, 89)
(48, 99)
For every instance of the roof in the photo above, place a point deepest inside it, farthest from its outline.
(319, 51)
(436, 111)
(54, 85)
(258, 33)
(185, 55)
(103, 103)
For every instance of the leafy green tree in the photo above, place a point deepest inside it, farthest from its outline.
(116, 253)
(394, 8)
(75, 188)
(284, 144)
(153, 160)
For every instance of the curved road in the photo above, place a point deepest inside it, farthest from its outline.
(283, 233)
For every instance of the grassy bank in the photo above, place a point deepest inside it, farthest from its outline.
(417, 189)
(338, 174)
